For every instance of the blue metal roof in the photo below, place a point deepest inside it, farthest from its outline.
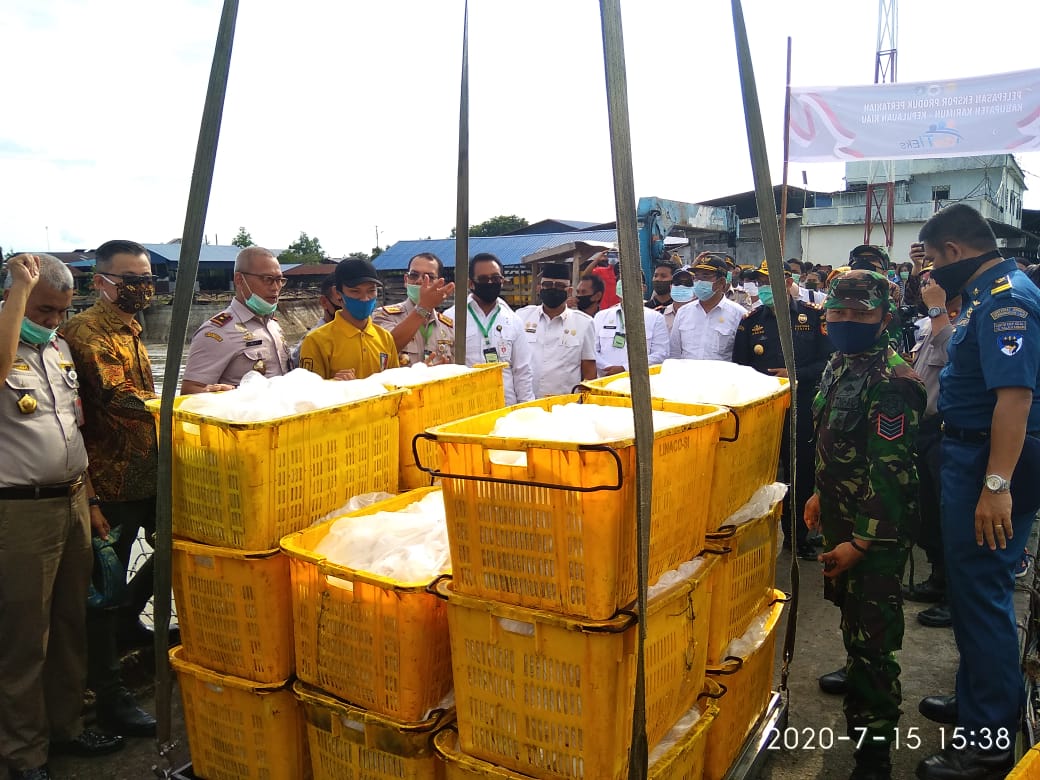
(509, 249)
(209, 253)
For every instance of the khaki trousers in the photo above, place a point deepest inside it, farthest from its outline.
(45, 566)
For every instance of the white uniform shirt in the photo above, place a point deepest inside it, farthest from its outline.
(815, 297)
(608, 324)
(558, 345)
(700, 335)
(504, 342)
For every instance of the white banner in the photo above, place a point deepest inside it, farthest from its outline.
(984, 115)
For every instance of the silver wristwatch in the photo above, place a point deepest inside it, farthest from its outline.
(997, 484)
(935, 311)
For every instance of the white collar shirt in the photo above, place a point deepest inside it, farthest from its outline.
(498, 337)
(701, 335)
(558, 346)
(607, 325)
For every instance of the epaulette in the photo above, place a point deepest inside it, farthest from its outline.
(1000, 284)
(221, 319)
(813, 306)
(393, 309)
(445, 319)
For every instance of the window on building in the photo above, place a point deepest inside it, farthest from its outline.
(941, 193)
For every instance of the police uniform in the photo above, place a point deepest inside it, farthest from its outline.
(758, 345)
(995, 344)
(611, 338)
(866, 414)
(339, 346)
(234, 342)
(498, 337)
(45, 555)
(433, 342)
(558, 346)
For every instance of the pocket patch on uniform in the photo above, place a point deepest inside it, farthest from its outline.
(891, 428)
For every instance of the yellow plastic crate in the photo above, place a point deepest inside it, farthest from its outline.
(551, 697)
(750, 447)
(238, 729)
(744, 578)
(349, 742)
(749, 682)
(375, 642)
(234, 609)
(246, 485)
(439, 402)
(1028, 767)
(682, 761)
(555, 534)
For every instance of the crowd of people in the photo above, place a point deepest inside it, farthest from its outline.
(917, 422)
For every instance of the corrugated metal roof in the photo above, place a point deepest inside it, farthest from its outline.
(208, 253)
(509, 249)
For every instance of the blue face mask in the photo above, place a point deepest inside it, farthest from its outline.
(681, 293)
(851, 338)
(703, 290)
(359, 310)
(765, 294)
(31, 333)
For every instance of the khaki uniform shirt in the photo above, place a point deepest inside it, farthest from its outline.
(40, 416)
(433, 342)
(233, 342)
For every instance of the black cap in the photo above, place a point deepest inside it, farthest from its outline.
(353, 271)
(715, 264)
(556, 271)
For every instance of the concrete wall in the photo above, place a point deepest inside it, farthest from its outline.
(831, 244)
(295, 316)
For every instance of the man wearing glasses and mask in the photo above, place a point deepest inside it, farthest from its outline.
(421, 333)
(245, 336)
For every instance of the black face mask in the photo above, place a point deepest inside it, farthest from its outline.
(953, 277)
(663, 289)
(553, 298)
(585, 301)
(487, 292)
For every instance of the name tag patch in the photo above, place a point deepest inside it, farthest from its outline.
(1009, 311)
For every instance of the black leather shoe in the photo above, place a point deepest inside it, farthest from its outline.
(807, 552)
(837, 682)
(88, 744)
(936, 617)
(39, 773)
(967, 764)
(929, 591)
(939, 709)
(120, 714)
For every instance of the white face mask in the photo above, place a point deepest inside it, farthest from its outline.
(751, 288)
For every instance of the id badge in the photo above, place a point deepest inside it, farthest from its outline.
(619, 341)
(491, 355)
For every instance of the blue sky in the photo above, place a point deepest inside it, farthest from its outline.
(341, 116)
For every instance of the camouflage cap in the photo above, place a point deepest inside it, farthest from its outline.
(857, 289)
(868, 250)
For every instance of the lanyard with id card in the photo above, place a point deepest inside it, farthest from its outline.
(619, 337)
(489, 352)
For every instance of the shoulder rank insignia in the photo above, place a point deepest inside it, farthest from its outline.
(212, 334)
(446, 319)
(393, 309)
(221, 319)
(1000, 284)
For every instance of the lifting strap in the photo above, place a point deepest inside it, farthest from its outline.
(462, 202)
(774, 262)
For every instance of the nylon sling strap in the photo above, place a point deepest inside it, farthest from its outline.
(632, 306)
(191, 245)
(462, 201)
(774, 262)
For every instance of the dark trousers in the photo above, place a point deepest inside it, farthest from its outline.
(805, 483)
(929, 465)
(103, 674)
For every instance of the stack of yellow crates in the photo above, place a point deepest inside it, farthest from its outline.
(540, 614)
(237, 489)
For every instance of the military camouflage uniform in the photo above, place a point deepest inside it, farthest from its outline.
(866, 415)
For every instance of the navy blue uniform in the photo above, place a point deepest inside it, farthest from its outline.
(995, 344)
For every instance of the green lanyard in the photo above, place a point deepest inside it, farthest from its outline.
(426, 330)
(484, 331)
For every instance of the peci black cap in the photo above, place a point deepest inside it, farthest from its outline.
(556, 271)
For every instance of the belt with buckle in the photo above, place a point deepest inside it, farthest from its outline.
(36, 492)
(972, 435)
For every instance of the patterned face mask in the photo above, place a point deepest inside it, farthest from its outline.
(132, 293)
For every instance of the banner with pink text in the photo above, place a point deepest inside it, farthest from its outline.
(955, 118)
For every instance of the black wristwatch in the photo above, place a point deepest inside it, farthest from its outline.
(935, 311)
(94, 501)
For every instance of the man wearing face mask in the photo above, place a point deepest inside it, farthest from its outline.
(589, 294)
(612, 335)
(245, 336)
(422, 333)
(662, 281)
(352, 346)
(707, 328)
(681, 293)
(563, 346)
(866, 415)
(758, 345)
(989, 399)
(45, 557)
(494, 334)
(115, 380)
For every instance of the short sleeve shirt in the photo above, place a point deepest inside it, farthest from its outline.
(234, 342)
(558, 346)
(706, 335)
(339, 346)
(436, 336)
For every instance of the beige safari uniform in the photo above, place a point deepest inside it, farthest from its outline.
(435, 338)
(234, 342)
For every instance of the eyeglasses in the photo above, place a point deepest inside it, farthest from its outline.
(559, 285)
(130, 278)
(492, 279)
(415, 276)
(267, 279)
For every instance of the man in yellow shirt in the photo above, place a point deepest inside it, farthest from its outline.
(351, 346)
